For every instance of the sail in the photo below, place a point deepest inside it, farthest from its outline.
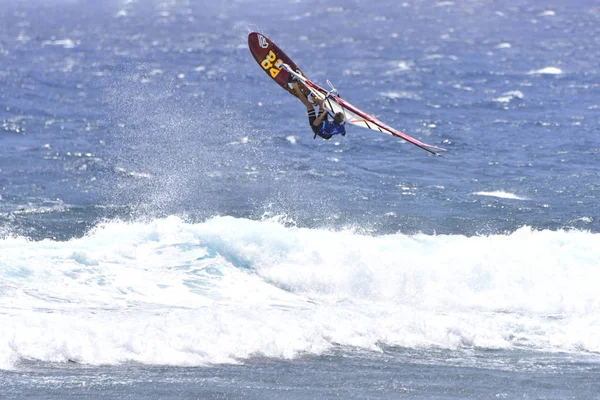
(357, 117)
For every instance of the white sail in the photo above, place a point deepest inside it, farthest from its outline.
(354, 115)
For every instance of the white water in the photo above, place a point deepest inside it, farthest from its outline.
(547, 71)
(172, 293)
(501, 194)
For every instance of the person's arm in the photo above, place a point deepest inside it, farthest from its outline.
(319, 119)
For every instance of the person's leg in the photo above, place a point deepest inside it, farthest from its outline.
(312, 116)
(301, 96)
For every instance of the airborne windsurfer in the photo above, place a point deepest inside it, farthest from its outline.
(275, 63)
(320, 125)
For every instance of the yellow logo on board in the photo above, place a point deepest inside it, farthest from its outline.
(269, 64)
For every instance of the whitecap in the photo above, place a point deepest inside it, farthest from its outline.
(394, 95)
(507, 97)
(399, 66)
(66, 43)
(134, 174)
(501, 194)
(547, 71)
(243, 140)
(350, 72)
(169, 292)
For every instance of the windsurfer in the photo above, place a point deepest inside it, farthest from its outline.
(320, 125)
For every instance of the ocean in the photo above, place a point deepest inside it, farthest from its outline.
(169, 228)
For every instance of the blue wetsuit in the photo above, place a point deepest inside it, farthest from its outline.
(327, 128)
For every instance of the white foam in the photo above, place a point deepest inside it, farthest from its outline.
(242, 140)
(172, 293)
(507, 97)
(547, 71)
(394, 95)
(66, 43)
(501, 194)
(399, 66)
(134, 174)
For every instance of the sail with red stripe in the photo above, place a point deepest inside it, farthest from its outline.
(357, 117)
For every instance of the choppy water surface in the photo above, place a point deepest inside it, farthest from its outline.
(169, 228)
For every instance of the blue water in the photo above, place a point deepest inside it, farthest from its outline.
(170, 229)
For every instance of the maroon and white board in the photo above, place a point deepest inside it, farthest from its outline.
(271, 58)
